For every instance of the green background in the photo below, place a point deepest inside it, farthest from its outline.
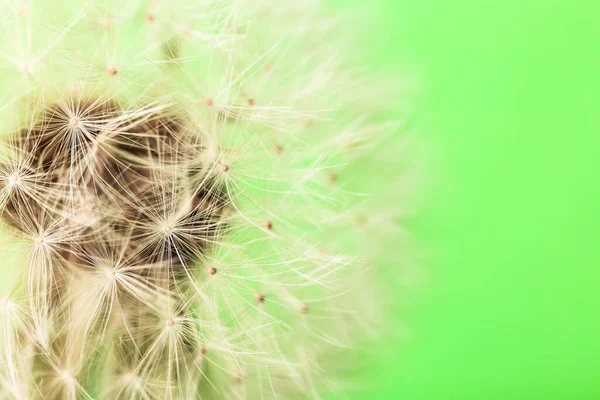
(510, 305)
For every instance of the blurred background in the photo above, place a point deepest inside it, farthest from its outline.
(510, 305)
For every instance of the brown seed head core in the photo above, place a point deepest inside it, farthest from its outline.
(95, 201)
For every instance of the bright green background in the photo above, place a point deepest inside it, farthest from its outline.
(510, 309)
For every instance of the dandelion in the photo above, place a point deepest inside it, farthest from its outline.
(181, 204)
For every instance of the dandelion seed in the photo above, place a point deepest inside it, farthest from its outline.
(167, 230)
(4, 303)
(128, 377)
(66, 376)
(112, 71)
(107, 23)
(111, 273)
(304, 308)
(22, 11)
(26, 68)
(361, 221)
(14, 180)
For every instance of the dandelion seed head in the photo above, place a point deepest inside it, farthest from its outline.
(131, 192)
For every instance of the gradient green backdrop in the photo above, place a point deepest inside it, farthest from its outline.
(511, 305)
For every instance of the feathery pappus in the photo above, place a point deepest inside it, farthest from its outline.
(196, 199)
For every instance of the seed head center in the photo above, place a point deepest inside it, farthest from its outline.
(167, 229)
(14, 179)
(3, 303)
(26, 68)
(111, 273)
(128, 377)
(66, 375)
